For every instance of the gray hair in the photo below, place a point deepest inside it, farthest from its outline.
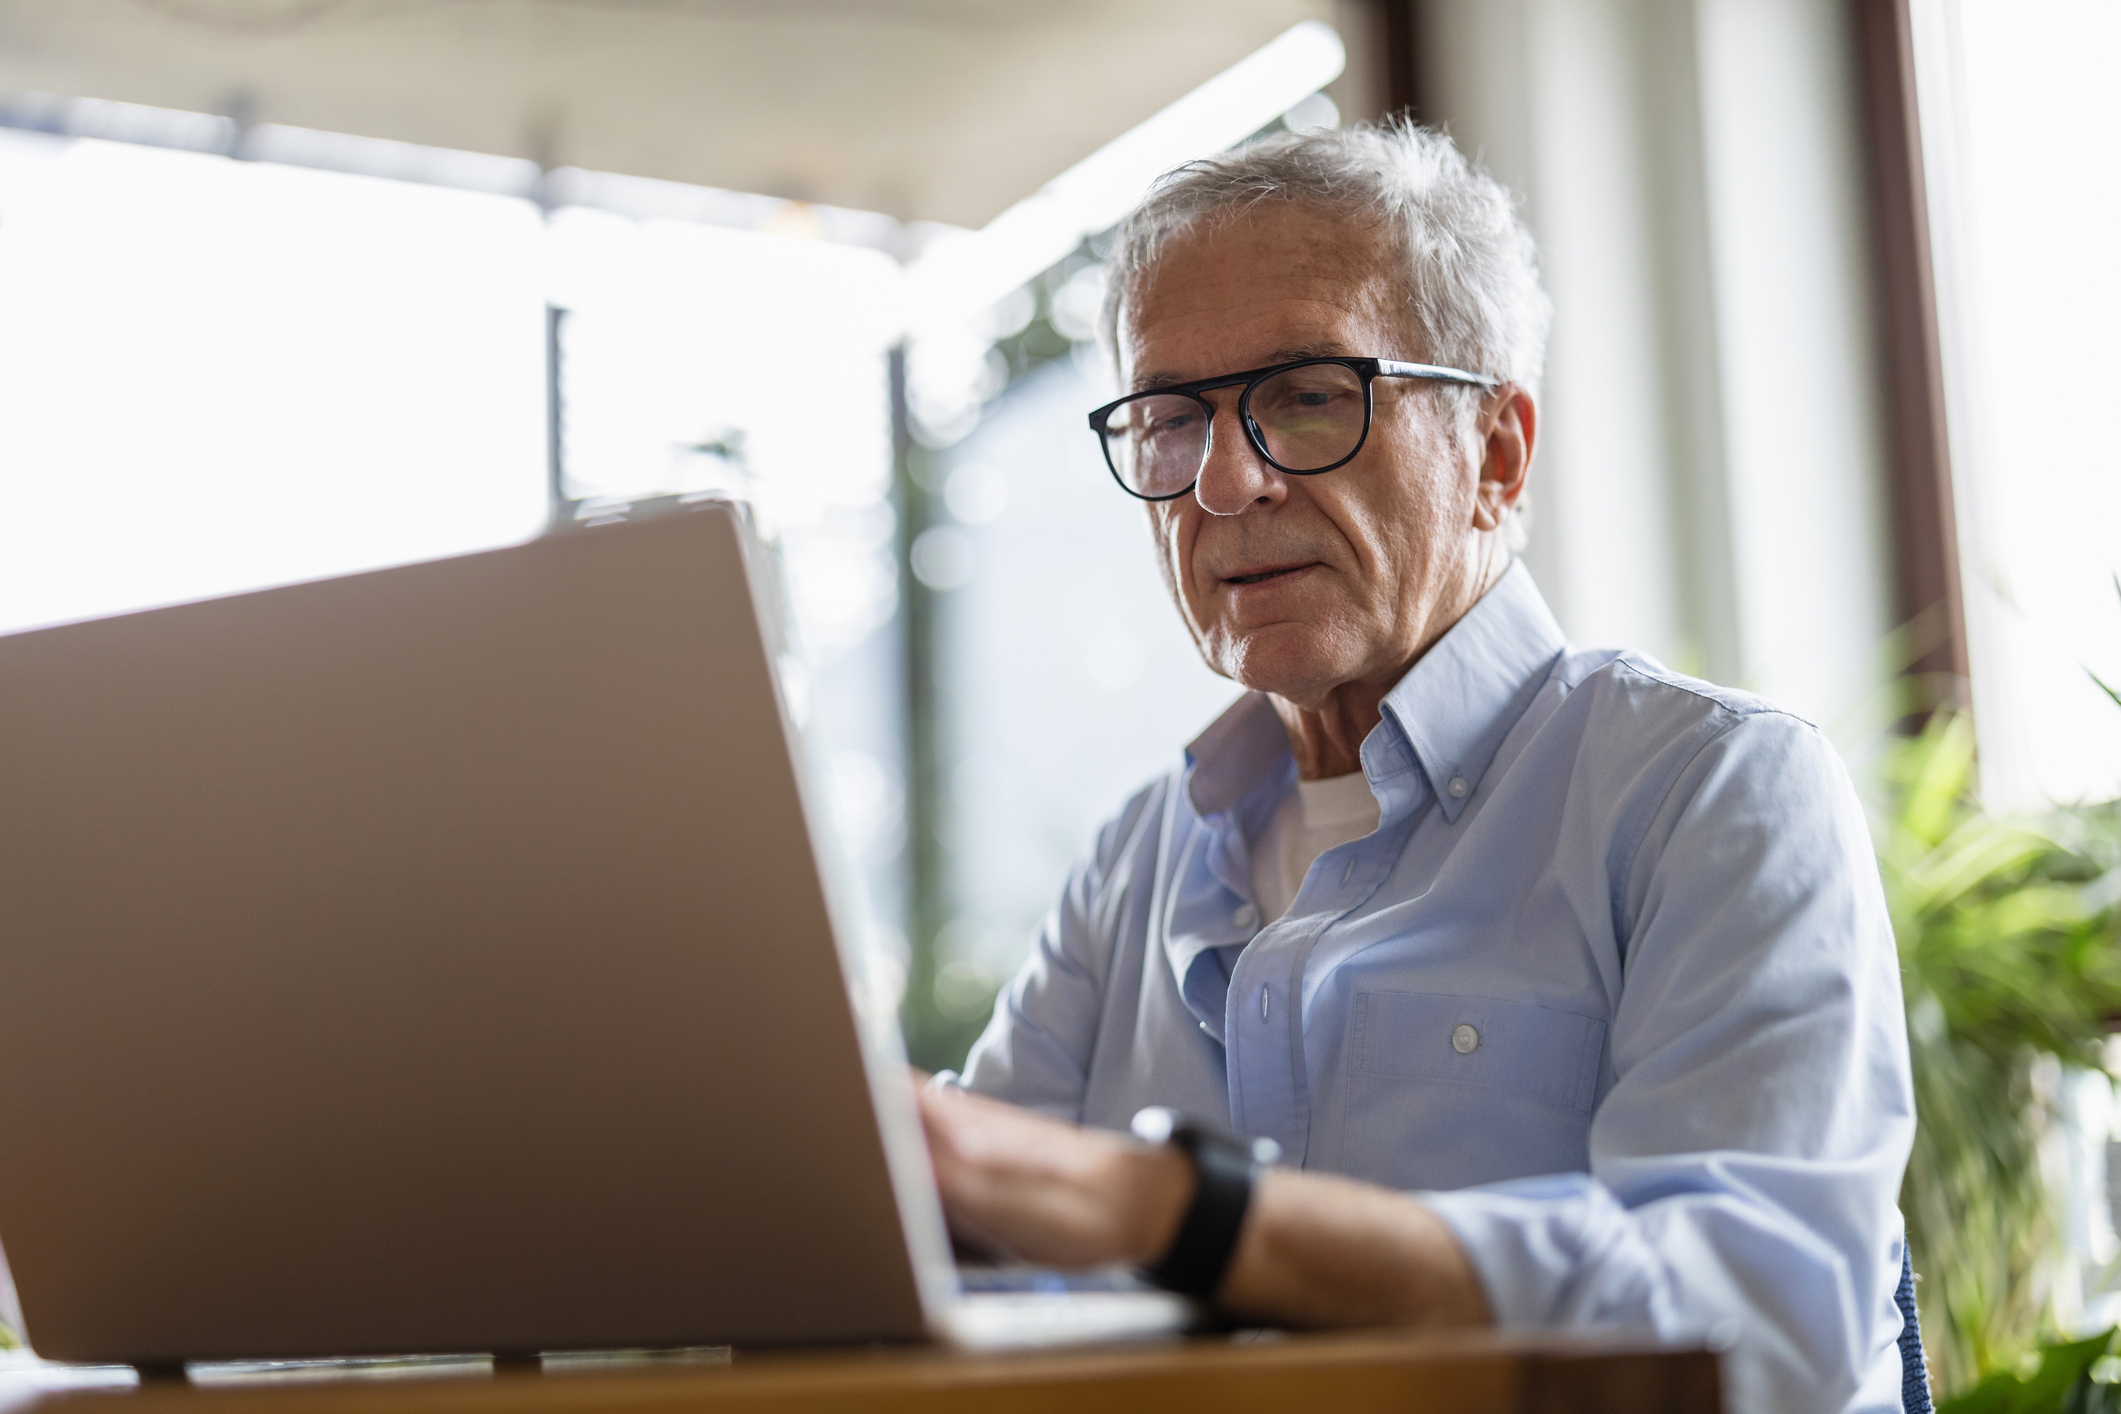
(1471, 272)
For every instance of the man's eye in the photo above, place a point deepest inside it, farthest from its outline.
(1299, 401)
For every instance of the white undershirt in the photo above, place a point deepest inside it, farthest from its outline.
(1310, 820)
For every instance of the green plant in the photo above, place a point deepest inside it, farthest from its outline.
(2061, 1383)
(2005, 960)
(2104, 686)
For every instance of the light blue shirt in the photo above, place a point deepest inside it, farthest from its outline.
(1612, 985)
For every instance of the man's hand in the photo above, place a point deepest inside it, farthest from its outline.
(1041, 1191)
(1315, 1250)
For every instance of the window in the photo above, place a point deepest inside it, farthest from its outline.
(2022, 131)
(219, 375)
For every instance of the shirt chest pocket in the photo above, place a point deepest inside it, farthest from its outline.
(1446, 1091)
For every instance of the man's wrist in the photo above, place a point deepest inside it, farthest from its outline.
(1156, 1187)
(1224, 1169)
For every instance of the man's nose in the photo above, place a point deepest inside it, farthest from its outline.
(1234, 478)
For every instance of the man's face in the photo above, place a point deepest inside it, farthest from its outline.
(1297, 585)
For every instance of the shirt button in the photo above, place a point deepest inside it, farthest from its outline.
(1464, 1038)
(1458, 789)
(1245, 917)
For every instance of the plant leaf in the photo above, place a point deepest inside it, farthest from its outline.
(2105, 686)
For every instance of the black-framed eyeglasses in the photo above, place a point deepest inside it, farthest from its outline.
(1303, 417)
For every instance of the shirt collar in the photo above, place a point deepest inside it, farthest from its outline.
(1230, 759)
(1451, 710)
(1456, 705)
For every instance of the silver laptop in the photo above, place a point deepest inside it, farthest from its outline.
(452, 958)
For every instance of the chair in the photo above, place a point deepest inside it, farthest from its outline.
(1914, 1376)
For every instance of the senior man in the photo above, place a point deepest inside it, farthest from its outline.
(1563, 982)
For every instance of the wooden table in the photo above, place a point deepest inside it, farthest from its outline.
(1346, 1374)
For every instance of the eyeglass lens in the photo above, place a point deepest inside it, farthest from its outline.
(1309, 417)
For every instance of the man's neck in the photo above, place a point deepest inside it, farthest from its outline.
(1326, 740)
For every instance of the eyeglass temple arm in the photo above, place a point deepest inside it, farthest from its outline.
(1391, 369)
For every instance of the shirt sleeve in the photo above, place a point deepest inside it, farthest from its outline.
(1745, 1162)
(1037, 1047)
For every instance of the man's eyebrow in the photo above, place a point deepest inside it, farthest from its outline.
(1288, 353)
(1321, 348)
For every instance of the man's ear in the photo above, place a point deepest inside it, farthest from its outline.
(1509, 427)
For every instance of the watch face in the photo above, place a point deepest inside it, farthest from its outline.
(1155, 1124)
(1158, 1124)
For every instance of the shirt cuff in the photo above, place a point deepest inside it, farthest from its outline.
(1537, 1243)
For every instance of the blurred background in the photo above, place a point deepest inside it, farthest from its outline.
(291, 288)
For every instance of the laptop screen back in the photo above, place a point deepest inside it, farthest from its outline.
(434, 959)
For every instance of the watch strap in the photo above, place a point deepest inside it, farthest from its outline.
(1224, 1168)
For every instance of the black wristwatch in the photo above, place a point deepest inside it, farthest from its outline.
(1224, 1167)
